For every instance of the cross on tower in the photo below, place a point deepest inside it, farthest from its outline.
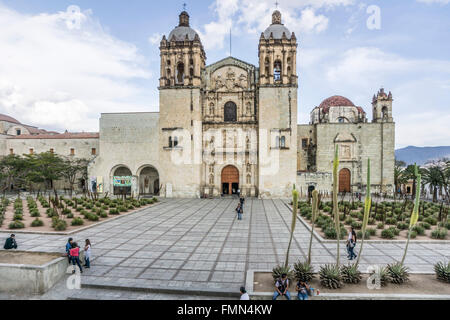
(184, 6)
(276, 4)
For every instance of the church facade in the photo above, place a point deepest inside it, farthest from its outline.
(231, 127)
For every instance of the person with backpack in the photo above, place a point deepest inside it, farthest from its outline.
(282, 286)
(68, 247)
(10, 243)
(75, 256)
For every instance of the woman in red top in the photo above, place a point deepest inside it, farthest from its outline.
(75, 255)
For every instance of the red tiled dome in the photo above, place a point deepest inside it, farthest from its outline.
(335, 101)
(4, 117)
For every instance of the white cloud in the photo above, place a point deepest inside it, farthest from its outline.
(155, 38)
(62, 78)
(434, 1)
(254, 16)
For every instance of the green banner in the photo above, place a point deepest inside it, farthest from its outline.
(122, 181)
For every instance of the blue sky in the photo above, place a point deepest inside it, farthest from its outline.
(57, 77)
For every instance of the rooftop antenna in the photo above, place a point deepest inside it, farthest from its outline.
(230, 42)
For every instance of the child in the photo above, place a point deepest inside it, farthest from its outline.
(87, 254)
(75, 256)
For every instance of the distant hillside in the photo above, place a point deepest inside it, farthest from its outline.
(421, 155)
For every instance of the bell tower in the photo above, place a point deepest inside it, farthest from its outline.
(182, 56)
(382, 107)
(277, 116)
(180, 117)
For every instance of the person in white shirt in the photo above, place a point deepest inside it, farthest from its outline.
(87, 254)
(244, 294)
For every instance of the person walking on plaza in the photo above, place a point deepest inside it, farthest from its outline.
(239, 211)
(282, 286)
(351, 244)
(87, 254)
(10, 243)
(244, 294)
(75, 256)
(68, 247)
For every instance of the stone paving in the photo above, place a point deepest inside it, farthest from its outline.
(198, 244)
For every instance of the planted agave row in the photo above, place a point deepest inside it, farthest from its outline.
(333, 276)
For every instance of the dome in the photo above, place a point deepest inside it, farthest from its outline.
(277, 28)
(6, 118)
(335, 101)
(183, 30)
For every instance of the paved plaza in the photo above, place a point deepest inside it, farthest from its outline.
(193, 244)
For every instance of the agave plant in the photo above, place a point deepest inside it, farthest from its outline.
(415, 213)
(293, 223)
(367, 206)
(335, 202)
(315, 211)
(330, 276)
(442, 271)
(351, 274)
(383, 275)
(279, 270)
(304, 271)
(398, 273)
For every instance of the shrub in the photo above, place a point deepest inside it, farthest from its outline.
(77, 222)
(398, 273)
(93, 217)
(61, 225)
(122, 209)
(380, 225)
(37, 223)
(66, 211)
(402, 225)
(70, 215)
(18, 217)
(16, 225)
(372, 231)
(114, 212)
(395, 230)
(330, 232)
(431, 220)
(387, 234)
(391, 221)
(50, 213)
(439, 233)
(103, 214)
(419, 230)
(425, 225)
(357, 225)
(372, 221)
(278, 271)
(327, 209)
(359, 234)
(35, 213)
(351, 274)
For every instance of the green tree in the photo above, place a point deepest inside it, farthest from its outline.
(410, 174)
(13, 172)
(45, 168)
(73, 169)
(399, 175)
(435, 178)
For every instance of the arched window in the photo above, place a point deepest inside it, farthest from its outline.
(230, 112)
(283, 142)
(170, 142)
(267, 67)
(277, 142)
(277, 70)
(191, 72)
(249, 108)
(385, 113)
(341, 120)
(211, 109)
(175, 141)
(180, 73)
(249, 179)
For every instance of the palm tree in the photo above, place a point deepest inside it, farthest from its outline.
(399, 175)
(435, 178)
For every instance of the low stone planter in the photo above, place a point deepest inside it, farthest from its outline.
(36, 275)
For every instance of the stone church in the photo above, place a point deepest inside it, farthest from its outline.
(227, 128)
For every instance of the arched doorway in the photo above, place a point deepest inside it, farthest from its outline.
(122, 181)
(344, 180)
(230, 180)
(149, 181)
(230, 112)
